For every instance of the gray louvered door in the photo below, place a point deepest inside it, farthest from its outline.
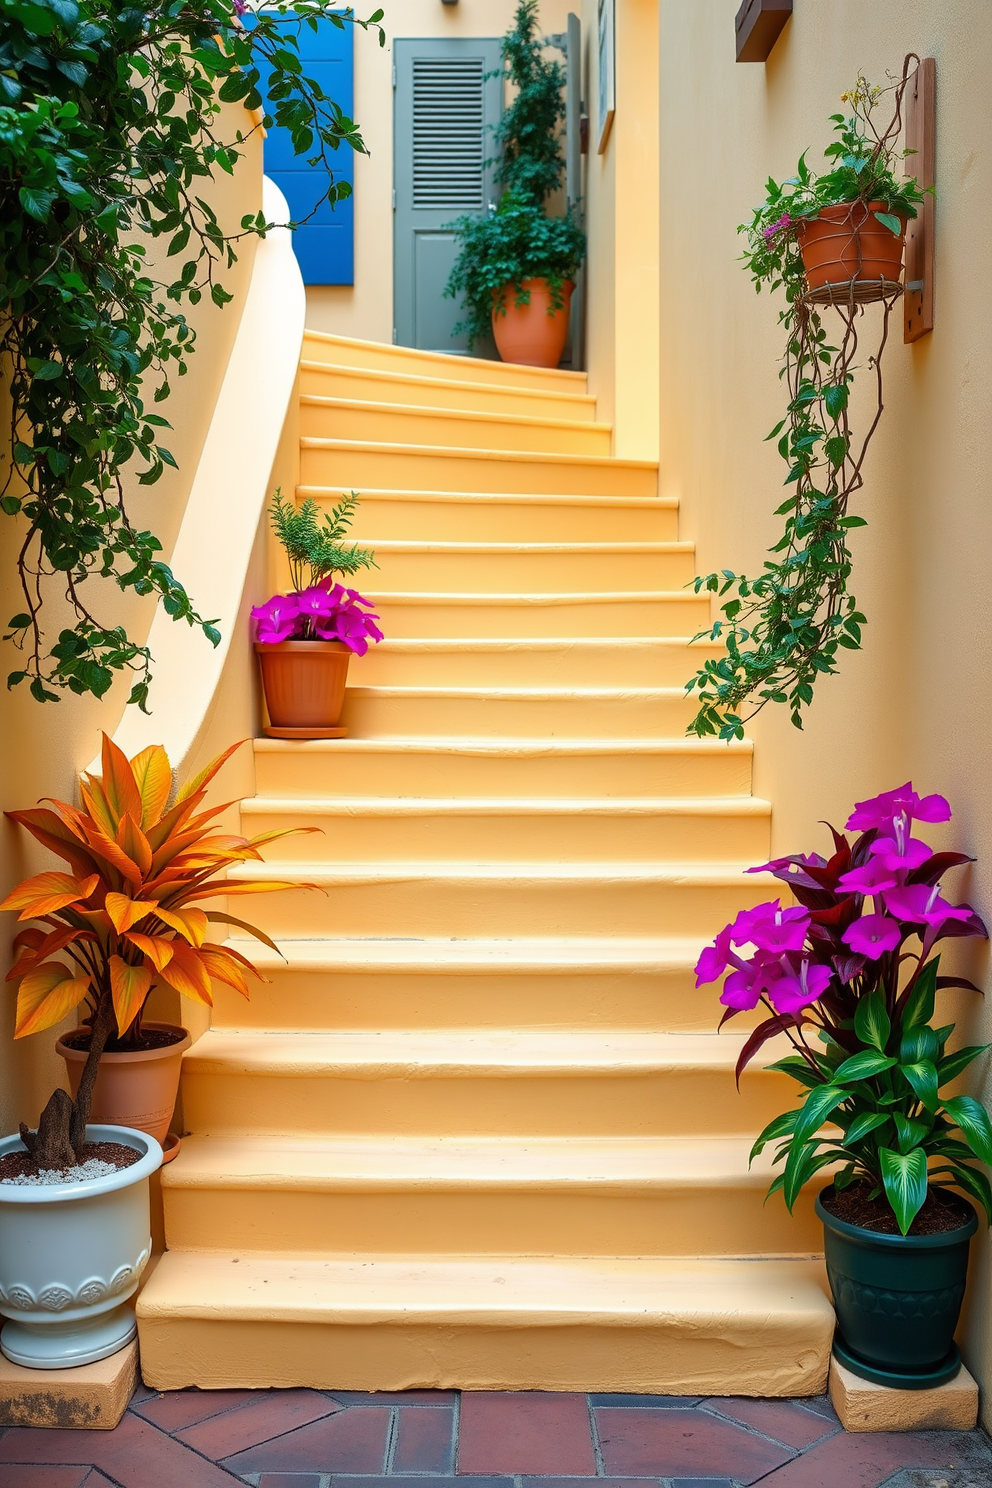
(445, 108)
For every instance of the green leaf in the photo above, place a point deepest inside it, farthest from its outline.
(904, 1176)
(973, 1120)
(922, 1078)
(871, 1021)
(975, 1183)
(47, 372)
(950, 1067)
(909, 1133)
(919, 1008)
(816, 1108)
(893, 223)
(782, 1126)
(863, 1125)
(862, 1066)
(835, 399)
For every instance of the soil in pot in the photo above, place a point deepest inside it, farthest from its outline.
(135, 1086)
(304, 684)
(848, 242)
(533, 334)
(942, 1211)
(15, 1167)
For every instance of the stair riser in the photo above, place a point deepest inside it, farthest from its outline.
(415, 470)
(780, 1358)
(494, 907)
(728, 1219)
(406, 359)
(301, 772)
(334, 382)
(374, 716)
(399, 425)
(527, 573)
(634, 664)
(663, 617)
(415, 1101)
(330, 1000)
(498, 521)
(516, 837)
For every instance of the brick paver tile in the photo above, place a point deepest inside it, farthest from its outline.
(181, 1408)
(648, 1402)
(394, 1397)
(525, 1432)
(823, 1406)
(425, 1441)
(703, 1483)
(868, 1459)
(785, 1420)
(272, 1414)
(342, 1480)
(291, 1480)
(35, 1476)
(134, 1455)
(350, 1441)
(580, 1483)
(682, 1444)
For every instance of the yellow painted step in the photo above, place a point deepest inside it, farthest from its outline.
(488, 1082)
(582, 829)
(485, 567)
(382, 385)
(503, 898)
(532, 1196)
(387, 982)
(346, 351)
(593, 613)
(526, 661)
(505, 516)
(362, 463)
(503, 767)
(660, 1325)
(377, 712)
(461, 428)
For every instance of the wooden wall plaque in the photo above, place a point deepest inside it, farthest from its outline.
(919, 105)
(758, 25)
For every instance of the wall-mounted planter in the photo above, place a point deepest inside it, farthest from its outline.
(533, 334)
(304, 684)
(847, 245)
(71, 1256)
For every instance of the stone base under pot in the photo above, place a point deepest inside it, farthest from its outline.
(864, 1406)
(92, 1397)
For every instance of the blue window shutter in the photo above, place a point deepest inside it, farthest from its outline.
(324, 246)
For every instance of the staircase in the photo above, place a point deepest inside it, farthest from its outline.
(478, 1129)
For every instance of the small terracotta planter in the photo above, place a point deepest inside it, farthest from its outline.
(304, 685)
(532, 334)
(847, 243)
(135, 1088)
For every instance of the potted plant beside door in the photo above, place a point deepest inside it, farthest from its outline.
(849, 977)
(517, 264)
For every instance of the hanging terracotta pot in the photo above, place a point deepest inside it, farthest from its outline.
(134, 1087)
(532, 334)
(847, 242)
(304, 685)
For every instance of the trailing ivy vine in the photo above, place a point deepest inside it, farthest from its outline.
(785, 628)
(110, 127)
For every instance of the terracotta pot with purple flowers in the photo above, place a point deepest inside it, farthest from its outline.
(848, 977)
(305, 639)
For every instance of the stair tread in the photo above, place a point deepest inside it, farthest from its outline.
(463, 1162)
(479, 956)
(527, 746)
(442, 359)
(536, 871)
(478, 452)
(533, 597)
(542, 549)
(467, 805)
(419, 379)
(505, 498)
(422, 1052)
(431, 411)
(516, 693)
(639, 1292)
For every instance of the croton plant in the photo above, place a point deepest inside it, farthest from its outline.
(848, 974)
(124, 916)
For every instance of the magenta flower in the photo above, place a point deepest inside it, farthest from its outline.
(770, 927)
(784, 221)
(743, 987)
(924, 905)
(872, 936)
(714, 959)
(881, 811)
(871, 878)
(239, 7)
(791, 993)
(316, 604)
(277, 619)
(900, 853)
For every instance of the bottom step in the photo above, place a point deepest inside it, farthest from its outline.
(654, 1325)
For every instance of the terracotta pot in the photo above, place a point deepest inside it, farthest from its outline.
(136, 1089)
(304, 682)
(529, 334)
(848, 242)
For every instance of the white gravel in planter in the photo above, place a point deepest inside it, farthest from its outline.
(52, 1177)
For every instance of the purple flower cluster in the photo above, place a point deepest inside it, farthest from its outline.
(854, 909)
(336, 614)
(783, 222)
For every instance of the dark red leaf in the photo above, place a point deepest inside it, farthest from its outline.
(762, 1034)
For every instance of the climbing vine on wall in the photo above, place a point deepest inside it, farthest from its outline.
(785, 628)
(110, 126)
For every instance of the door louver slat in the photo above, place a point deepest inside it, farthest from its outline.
(448, 134)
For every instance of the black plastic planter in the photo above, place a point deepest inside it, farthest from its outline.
(897, 1299)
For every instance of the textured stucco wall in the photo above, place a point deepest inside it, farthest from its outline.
(918, 700)
(42, 748)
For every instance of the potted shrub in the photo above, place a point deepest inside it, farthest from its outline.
(840, 232)
(516, 266)
(305, 639)
(848, 975)
(121, 920)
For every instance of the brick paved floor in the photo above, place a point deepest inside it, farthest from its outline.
(339, 1439)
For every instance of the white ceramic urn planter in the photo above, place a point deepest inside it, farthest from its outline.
(70, 1257)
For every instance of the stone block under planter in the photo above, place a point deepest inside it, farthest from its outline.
(90, 1398)
(865, 1406)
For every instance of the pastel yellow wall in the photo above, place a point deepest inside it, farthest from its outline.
(42, 748)
(365, 309)
(917, 702)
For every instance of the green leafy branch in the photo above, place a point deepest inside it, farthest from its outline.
(314, 541)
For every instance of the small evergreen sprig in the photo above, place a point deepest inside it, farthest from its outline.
(314, 540)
